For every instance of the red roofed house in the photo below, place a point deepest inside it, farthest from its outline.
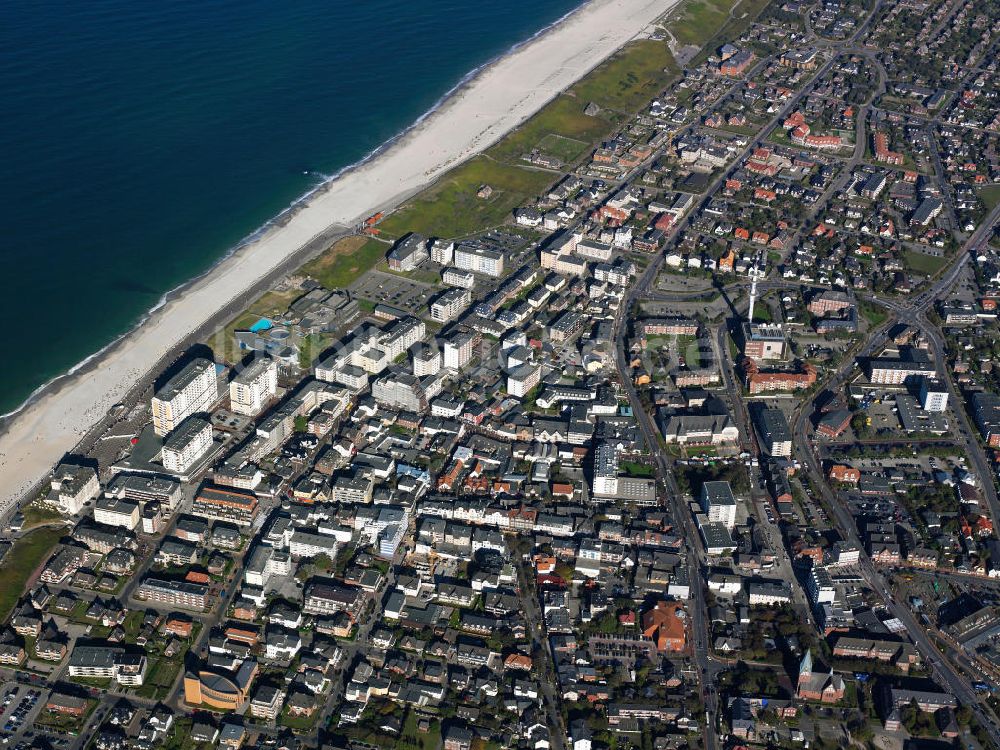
(842, 473)
(882, 152)
(726, 261)
(823, 141)
(562, 489)
(665, 221)
(518, 661)
(794, 120)
(666, 624)
(737, 64)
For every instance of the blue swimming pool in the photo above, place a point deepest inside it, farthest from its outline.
(261, 325)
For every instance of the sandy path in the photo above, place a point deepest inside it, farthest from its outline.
(497, 100)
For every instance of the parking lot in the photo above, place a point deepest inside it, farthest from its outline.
(20, 705)
(389, 289)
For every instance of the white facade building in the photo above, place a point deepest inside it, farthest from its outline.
(73, 486)
(117, 512)
(442, 251)
(605, 470)
(254, 387)
(187, 444)
(459, 278)
(524, 377)
(426, 361)
(450, 304)
(484, 260)
(719, 503)
(194, 389)
(933, 395)
(458, 351)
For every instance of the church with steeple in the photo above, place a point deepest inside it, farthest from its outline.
(825, 687)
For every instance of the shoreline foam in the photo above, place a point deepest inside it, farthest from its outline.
(31, 442)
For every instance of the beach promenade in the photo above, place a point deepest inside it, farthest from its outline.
(501, 97)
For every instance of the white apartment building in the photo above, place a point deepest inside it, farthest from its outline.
(768, 593)
(194, 389)
(524, 377)
(355, 378)
(265, 561)
(442, 251)
(405, 333)
(253, 387)
(775, 434)
(384, 525)
(104, 663)
(456, 277)
(370, 349)
(605, 470)
(562, 262)
(426, 361)
(889, 371)
(306, 544)
(401, 391)
(114, 511)
(933, 395)
(719, 503)
(408, 253)
(73, 486)
(355, 490)
(450, 304)
(593, 250)
(484, 260)
(820, 587)
(187, 444)
(458, 351)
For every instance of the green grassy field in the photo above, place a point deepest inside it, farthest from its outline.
(298, 723)
(160, 677)
(450, 207)
(37, 513)
(712, 23)
(633, 469)
(563, 116)
(562, 147)
(921, 263)
(350, 257)
(20, 562)
(629, 79)
(990, 196)
(698, 21)
(874, 314)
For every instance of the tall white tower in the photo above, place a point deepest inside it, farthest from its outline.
(755, 274)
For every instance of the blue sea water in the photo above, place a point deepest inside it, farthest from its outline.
(142, 140)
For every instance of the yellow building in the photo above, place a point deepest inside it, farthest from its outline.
(226, 692)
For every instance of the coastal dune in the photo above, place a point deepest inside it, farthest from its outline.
(495, 101)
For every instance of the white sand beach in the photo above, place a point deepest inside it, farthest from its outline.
(497, 100)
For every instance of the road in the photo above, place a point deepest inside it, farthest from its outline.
(545, 666)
